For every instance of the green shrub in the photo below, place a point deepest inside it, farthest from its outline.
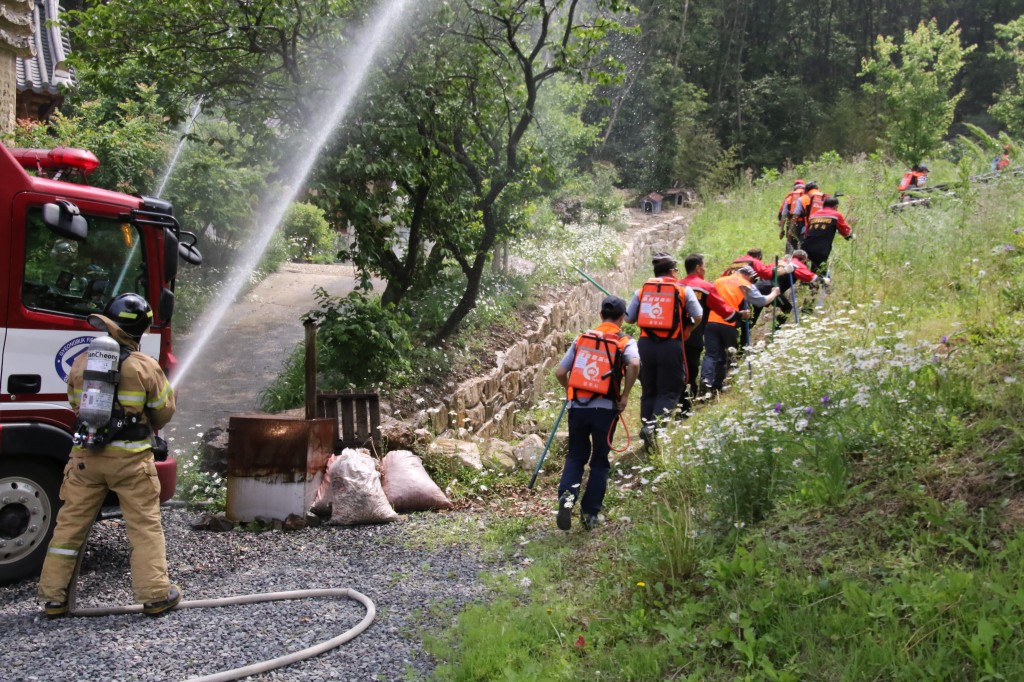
(308, 235)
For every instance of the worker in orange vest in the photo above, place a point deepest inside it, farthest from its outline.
(915, 178)
(788, 229)
(720, 335)
(666, 311)
(806, 206)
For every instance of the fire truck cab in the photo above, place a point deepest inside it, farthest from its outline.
(66, 250)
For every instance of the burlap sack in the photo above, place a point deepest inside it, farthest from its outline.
(407, 484)
(322, 500)
(356, 495)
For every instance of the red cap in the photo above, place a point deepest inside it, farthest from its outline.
(798, 181)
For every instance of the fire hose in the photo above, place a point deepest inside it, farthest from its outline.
(256, 668)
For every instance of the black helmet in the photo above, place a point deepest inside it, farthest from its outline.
(663, 263)
(811, 185)
(131, 313)
(922, 167)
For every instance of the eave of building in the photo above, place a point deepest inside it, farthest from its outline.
(46, 72)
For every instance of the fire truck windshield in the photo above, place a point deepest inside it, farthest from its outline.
(79, 278)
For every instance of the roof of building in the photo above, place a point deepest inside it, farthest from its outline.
(654, 196)
(47, 71)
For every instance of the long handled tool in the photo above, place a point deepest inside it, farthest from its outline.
(590, 279)
(775, 310)
(547, 447)
(792, 295)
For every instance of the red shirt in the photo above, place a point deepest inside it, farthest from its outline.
(763, 271)
(802, 272)
(824, 225)
(706, 291)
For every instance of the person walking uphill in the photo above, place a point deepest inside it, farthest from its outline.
(720, 334)
(598, 372)
(821, 231)
(117, 457)
(693, 346)
(666, 311)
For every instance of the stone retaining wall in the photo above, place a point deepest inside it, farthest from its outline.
(485, 406)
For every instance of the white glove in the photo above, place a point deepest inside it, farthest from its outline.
(826, 280)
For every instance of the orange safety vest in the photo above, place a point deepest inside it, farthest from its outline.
(661, 308)
(597, 366)
(729, 288)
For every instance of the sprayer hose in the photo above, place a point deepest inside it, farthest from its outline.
(256, 668)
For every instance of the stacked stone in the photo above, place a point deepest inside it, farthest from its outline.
(486, 406)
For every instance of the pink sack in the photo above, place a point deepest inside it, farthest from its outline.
(407, 484)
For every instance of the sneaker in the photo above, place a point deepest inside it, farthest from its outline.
(55, 609)
(564, 518)
(647, 435)
(155, 608)
(590, 521)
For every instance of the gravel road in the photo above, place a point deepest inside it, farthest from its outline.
(412, 584)
(389, 563)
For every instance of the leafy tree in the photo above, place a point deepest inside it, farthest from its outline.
(308, 233)
(130, 140)
(216, 186)
(445, 150)
(258, 60)
(1009, 106)
(916, 80)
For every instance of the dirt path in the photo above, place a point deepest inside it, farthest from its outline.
(247, 351)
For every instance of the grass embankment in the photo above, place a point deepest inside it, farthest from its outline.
(850, 510)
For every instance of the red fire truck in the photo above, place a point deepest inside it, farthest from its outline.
(67, 248)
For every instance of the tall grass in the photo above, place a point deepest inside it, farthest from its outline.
(850, 509)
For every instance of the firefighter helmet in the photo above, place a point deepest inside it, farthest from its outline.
(923, 168)
(663, 262)
(811, 185)
(131, 313)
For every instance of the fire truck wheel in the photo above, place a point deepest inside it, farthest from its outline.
(29, 499)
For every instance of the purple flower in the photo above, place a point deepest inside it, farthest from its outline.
(778, 408)
(944, 339)
(825, 399)
(1018, 231)
(809, 410)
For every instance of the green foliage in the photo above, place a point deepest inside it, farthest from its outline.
(198, 487)
(1009, 105)
(308, 234)
(850, 512)
(916, 79)
(130, 141)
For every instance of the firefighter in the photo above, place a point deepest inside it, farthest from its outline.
(720, 334)
(665, 311)
(788, 226)
(806, 206)
(593, 414)
(821, 231)
(915, 178)
(118, 457)
(1003, 162)
(693, 346)
(767, 278)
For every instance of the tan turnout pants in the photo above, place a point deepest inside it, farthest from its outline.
(87, 478)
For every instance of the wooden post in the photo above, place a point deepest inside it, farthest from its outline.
(310, 366)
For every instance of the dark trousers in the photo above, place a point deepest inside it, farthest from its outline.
(661, 376)
(590, 431)
(718, 338)
(817, 255)
(765, 288)
(693, 354)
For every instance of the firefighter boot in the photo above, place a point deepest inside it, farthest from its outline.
(565, 504)
(155, 608)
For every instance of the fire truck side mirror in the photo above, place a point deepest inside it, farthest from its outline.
(165, 306)
(187, 249)
(64, 218)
